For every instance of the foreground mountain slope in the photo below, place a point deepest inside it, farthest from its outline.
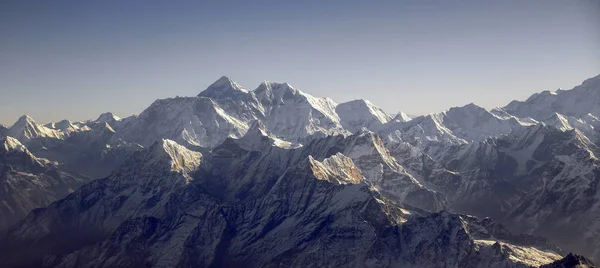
(564, 206)
(268, 207)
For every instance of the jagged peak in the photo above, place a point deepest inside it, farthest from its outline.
(338, 169)
(10, 144)
(23, 121)
(224, 87)
(270, 89)
(401, 117)
(361, 111)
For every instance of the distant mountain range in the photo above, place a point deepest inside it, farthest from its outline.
(274, 177)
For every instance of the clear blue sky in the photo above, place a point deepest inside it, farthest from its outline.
(77, 59)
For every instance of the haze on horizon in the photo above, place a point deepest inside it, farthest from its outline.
(77, 59)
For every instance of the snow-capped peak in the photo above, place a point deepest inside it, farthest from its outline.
(401, 117)
(108, 118)
(224, 87)
(270, 90)
(361, 113)
(577, 102)
(23, 121)
(26, 128)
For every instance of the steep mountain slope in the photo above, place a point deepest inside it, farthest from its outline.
(293, 115)
(27, 182)
(379, 168)
(26, 129)
(578, 102)
(3, 131)
(490, 178)
(564, 205)
(172, 207)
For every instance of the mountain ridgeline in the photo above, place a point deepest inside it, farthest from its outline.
(275, 177)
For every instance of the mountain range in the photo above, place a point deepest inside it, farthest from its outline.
(275, 177)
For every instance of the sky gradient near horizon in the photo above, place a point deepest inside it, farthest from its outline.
(77, 59)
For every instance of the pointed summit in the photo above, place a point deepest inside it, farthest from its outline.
(108, 118)
(357, 114)
(26, 128)
(401, 117)
(224, 88)
(273, 90)
(24, 120)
